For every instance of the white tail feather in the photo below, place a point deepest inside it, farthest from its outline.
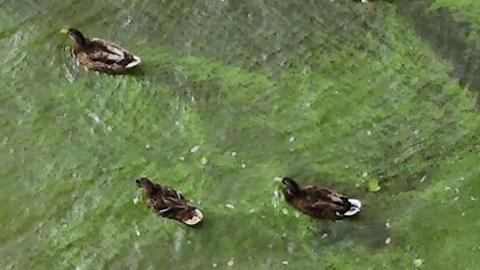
(352, 212)
(134, 63)
(356, 203)
(354, 209)
(197, 218)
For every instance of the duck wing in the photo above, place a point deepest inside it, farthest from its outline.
(110, 53)
(321, 196)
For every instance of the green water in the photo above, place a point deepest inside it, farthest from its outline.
(331, 93)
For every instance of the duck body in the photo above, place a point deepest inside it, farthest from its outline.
(319, 202)
(101, 55)
(168, 203)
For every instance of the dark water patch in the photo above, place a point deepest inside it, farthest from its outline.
(449, 38)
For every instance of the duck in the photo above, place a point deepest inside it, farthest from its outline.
(101, 55)
(168, 203)
(318, 202)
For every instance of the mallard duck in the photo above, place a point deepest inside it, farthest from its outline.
(168, 202)
(100, 55)
(318, 202)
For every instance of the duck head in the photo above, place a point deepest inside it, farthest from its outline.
(291, 187)
(75, 35)
(145, 183)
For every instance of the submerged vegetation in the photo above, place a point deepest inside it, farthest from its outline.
(231, 94)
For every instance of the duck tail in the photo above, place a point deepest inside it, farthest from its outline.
(355, 206)
(135, 61)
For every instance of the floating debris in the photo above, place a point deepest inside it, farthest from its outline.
(292, 139)
(195, 148)
(456, 198)
(387, 225)
(285, 262)
(463, 214)
(204, 160)
(243, 166)
(388, 240)
(418, 262)
(365, 174)
(369, 132)
(147, 146)
(234, 154)
(457, 190)
(231, 262)
(285, 211)
(135, 200)
(251, 210)
(423, 178)
(473, 198)
(214, 265)
(447, 188)
(324, 235)
(182, 158)
(231, 206)
(94, 117)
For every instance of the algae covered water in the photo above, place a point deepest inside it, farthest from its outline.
(375, 101)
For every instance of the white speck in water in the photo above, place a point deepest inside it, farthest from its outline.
(194, 149)
(109, 128)
(189, 242)
(231, 206)
(94, 117)
(292, 139)
(136, 230)
(285, 262)
(193, 99)
(324, 235)
(135, 200)
(147, 146)
(234, 154)
(181, 158)
(418, 262)
(251, 210)
(297, 215)
(463, 214)
(369, 132)
(365, 174)
(214, 265)
(336, 92)
(388, 240)
(456, 198)
(423, 179)
(415, 131)
(231, 262)
(346, 166)
(11, 151)
(204, 160)
(285, 211)
(457, 190)
(387, 225)
(473, 198)
(244, 165)
(448, 188)
(284, 235)
(462, 178)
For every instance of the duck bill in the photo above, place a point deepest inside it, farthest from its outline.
(278, 179)
(196, 219)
